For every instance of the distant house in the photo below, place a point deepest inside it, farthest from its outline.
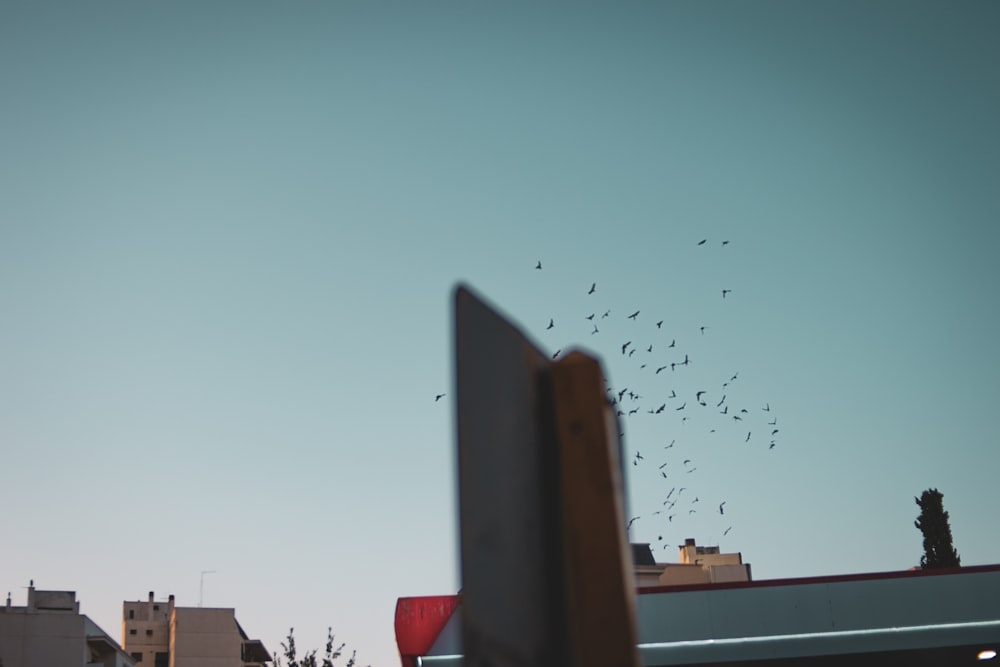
(161, 634)
(697, 565)
(50, 630)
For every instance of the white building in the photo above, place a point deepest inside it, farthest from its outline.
(51, 631)
(161, 634)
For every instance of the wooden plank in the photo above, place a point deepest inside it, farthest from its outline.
(600, 584)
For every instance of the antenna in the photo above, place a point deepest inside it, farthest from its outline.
(201, 585)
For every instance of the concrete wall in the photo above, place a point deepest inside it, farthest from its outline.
(33, 640)
(202, 637)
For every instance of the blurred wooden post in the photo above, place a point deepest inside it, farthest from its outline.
(600, 590)
(546, 569)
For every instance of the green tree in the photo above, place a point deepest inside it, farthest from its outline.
(330, 653)
(933, 523)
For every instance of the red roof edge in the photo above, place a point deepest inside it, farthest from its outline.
(419, 621)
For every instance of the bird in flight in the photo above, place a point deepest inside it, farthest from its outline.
(660, 369)
(606, 313)
(702, 330)
(439, 397)
(702, 242)
(556, 354)
(661, 408)
(682, 407)
(670, 445)
(593, 288)
(725, 243)
(634, 315)
(551, 324)
(698, 396)
(659, 324)
(539, 265)
(725, 292)
(673, 343)
(590, 317)
(748, 436)
(594, 331)
(631, 521)
(625, 346)
(727, 531)
(766, 408)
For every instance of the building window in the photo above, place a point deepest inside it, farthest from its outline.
(132, 631)
(131, 614)
(156, 607)
(162, 659)
(149, 633)
(137, 657)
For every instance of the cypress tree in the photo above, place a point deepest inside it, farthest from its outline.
(933, 523)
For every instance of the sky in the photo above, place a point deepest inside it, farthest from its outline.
(229, 235)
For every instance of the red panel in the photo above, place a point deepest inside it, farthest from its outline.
(419, 621)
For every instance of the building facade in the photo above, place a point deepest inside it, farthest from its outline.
(50, 630)
(161, 634)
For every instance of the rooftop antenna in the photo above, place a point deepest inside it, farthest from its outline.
(201, 585)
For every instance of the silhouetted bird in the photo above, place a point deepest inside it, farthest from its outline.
(594, 331)
(661, 408)
(634, 315)
(702, 242)
(551, 324)
(748, 436)
(722, 401)
(556, 354)
(649, 349)
(539, 265)
(606, 313)
(725, 243)
(625, 346)
(590, 317)
(682, 407)
(439, 397)
(593, 287)
(725, 292)
(659, 369)
(631, 521)
(672, 343)
(727, 531)
(659, 324)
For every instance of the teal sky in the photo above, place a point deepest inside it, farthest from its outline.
(229, 233)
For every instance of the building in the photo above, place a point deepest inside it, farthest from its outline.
(918, 618)
(697, 565)
(161, 634)
(50, 630)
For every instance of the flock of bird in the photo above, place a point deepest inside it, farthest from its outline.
(659, 360)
